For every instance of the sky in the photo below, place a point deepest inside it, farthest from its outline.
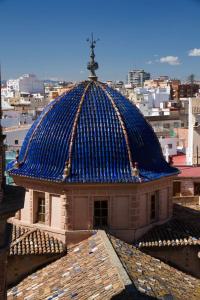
(48, 38)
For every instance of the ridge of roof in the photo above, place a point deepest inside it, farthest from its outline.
(153, 277)
(87, 271)
(26, 241)
(175, 232)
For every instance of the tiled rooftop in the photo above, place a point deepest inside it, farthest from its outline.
(182, 230)
(155, 278)
(26, 241)
(85, 272)
(91, 123)
(179, 159)
(173, 233)
(90, 271)
(189, 171)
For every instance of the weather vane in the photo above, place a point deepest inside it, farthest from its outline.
(92, 66)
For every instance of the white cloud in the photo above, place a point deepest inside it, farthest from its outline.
(171, 60)
(194, 52)
(149, 62)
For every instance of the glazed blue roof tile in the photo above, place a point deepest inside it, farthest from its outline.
(90, 117)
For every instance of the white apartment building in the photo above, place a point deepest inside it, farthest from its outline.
(28, 83)
(169, 146)
(150, 101)
(15, 136)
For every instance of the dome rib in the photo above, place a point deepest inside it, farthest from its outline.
(74, 129)
(122, 126)
(91, 134)
(45, 112)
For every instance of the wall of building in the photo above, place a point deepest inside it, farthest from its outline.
(15, 137)
(56, 210)
(26, 211)
(184, 258)
(19, 266)
(28, 83)
(187, 185)
(73, 210)
(169, 146)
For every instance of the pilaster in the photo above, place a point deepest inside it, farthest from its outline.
(66, 212)
(47, 209)
(31, 206)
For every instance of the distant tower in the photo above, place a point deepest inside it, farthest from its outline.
(137, 77)
(191, 81)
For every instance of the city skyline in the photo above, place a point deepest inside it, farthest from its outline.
(50, 41)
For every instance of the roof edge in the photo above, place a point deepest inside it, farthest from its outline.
(116, 262)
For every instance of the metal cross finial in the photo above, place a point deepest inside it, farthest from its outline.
(92, 65)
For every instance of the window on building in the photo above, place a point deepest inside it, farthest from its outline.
(41, 210)
(176, 188)
(154, 207)
(169, 146)
(166, 125)
(101, 213)
(196, 188)
(16, 142)
(176, 124)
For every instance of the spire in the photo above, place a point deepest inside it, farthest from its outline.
(92, 65)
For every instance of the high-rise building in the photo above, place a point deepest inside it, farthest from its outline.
(137, 77)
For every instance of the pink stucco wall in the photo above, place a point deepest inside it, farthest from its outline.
(25, 212)
(72, 208)
(55, 209)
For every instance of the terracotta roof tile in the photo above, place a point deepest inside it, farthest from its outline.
(26, 241)
(153, 277)
(189, 171)
(173, 233)
(85, 272)
(182, 230)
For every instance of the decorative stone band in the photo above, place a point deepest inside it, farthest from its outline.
(66, 171)
(122, 125)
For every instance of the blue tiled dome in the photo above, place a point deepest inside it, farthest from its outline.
(91, 134)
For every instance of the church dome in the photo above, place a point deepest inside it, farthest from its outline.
(91, 134)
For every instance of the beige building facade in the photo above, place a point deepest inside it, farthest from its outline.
(126, 210)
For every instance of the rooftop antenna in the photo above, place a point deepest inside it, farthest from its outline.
(92, 66)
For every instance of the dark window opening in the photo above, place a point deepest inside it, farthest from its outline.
(176, 188)
(154, 206)
(41, 210)
(196, 188)
(101, 213)
(16, 142)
